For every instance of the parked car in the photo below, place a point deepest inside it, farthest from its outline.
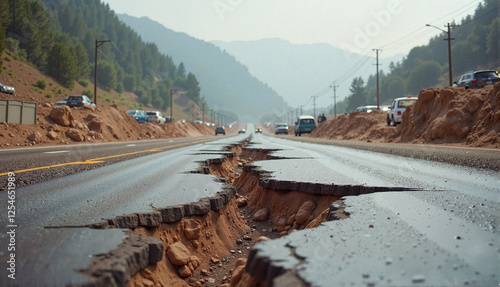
(139, 115)
(398, 107)
(367, 109)
(6, 89)
(62, 102)
(220, 130)
(477, 79)
(281, 129)
(155, 117)
(168, 119)
(242, 131)
(79, 101)
(304, 124)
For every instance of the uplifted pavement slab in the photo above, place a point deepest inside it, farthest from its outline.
(389, 239)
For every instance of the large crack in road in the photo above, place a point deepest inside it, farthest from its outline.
(217, 233)
(252, 184)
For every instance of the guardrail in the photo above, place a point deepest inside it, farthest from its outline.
(15, 112)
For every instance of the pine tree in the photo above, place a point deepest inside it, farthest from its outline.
(82, 61)
(358, 93)
(61, 65)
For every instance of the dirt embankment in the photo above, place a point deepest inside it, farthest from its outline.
(63, 125)
(440, 116)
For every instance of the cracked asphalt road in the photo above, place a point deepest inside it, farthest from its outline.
(443, 235)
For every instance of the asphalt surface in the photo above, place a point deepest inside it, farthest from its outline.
(443, 233)
(48, 228)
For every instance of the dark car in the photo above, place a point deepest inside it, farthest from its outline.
(242, 131)
(258, 130)
(79, 101)
(220, 130)
(139, 115)
(477, 79)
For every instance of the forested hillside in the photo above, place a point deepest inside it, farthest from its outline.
(59, 38)
(224, 81)
(475, 47)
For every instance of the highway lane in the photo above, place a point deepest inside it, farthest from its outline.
(456, 197)
(445, 234)
(35, 164)
(134, 185)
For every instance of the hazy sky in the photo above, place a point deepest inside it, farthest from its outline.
(395, 26)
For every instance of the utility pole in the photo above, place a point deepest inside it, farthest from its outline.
(448, 32)
(203, 112)
(314, 105)
(171, 105)
(378, 90)
(449, 51)
(97, 45)
(334, 99)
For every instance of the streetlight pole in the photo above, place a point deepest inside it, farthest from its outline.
(449, 47)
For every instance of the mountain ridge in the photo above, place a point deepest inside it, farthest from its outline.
(319, 63)
(224, 81)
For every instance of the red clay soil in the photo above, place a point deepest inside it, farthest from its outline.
(113, 125)
(440, 116)
(217, 234)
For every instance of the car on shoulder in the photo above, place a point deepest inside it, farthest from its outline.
(477, 79)
(366, 109)
(242, 131)
(304, 125)
(139, 115)
(258, 130)
(220, 130)
(397, 108)
(62, 102)
(6, 89)
(79, 101)
(281, 128)
(155, 117)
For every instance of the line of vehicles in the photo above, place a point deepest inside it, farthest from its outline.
(469, 80)
(149, 116)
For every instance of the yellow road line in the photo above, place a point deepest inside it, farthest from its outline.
(102, 159)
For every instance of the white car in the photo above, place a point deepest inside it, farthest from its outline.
(398, 107)
(6, 89)
(155, 117)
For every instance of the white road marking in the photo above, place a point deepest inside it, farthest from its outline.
(131, 145)
(58, 151)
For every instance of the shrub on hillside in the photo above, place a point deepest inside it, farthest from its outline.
(84, 83)
(41, 83)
